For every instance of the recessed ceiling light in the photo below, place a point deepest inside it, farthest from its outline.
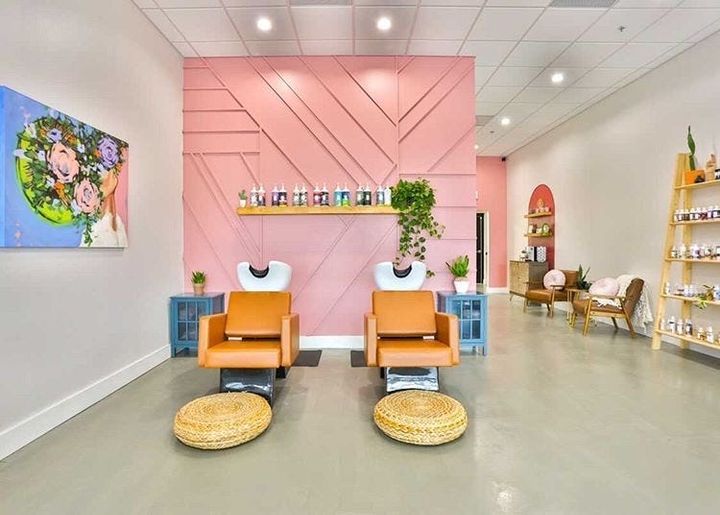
(557, 77)
(264, 24)
(505, 121)
(384, 23)
(477, 146)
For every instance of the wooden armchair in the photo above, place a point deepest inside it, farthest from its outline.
(536, 292)
(588, 307)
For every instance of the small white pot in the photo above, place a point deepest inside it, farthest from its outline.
(461, 285)
(243, 202)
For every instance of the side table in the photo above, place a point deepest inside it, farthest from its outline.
(185, 312)
(472, 312)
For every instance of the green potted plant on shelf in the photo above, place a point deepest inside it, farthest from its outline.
(198, 281)
(242, 198)
(692, 175)
(414, 201)
(582, 282)
(459, 268)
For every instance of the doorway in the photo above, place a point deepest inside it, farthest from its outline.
(482, 250)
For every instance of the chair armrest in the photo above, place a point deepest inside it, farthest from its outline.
(211, 332)
(289, 339)
(621, 298)
(370, 339)
(448, 332)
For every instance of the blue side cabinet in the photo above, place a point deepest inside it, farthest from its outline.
(185, 312)
(472, 312)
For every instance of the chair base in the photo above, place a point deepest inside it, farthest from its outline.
(260, 381)
(411, 378)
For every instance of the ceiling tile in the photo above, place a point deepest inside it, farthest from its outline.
(482, 74)
(385, 2)
(444, 22)
(497, 93)
(632, 77)
(576, 95)
(531, 53)
(487, 53)
(245, 19)
(562, 24)
(680, 48)
(537, 95)
(380, 46)
(366, 19)
(220, 48)
(327, 47)
(705, 32)
(254, 3)
(699, 3)
(433, 47)
(503, 24)
(514, 76)
(273, 47)
(145, 4)
(585, 55)
(571, 75)
(203, 24)
(488, 108)
(518, 111)
(635, 55)
(454, 3)
(554, 111)
(323, 22)
(164, 24)
(644, 4)
(634, 21)
(678, 25)
(172, 4)
(602, 77)
(518, 3)
(185, 49)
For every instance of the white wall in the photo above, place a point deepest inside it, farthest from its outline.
(77, 324)
(611, 168)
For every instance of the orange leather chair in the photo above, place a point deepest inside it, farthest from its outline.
(257, 332)
(404, 330)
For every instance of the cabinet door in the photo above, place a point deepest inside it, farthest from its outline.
(478, 321)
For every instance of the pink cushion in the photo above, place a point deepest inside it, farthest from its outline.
(605, 286)
(554, 278)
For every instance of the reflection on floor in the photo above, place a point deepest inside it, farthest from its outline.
(559, 423)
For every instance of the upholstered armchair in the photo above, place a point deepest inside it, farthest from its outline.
(404, 331)
(258, 333)
(591, 305)
(537, 292)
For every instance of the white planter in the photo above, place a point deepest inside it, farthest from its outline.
(461, 285)
(243, 202)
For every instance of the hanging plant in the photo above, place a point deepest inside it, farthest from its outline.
(415, 200)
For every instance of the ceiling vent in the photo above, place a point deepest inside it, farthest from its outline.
(320, 2)
(482, 120)
(586, 4)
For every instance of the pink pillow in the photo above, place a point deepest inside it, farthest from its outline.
(605, 286)
(554, 278)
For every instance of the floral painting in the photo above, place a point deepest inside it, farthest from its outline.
(63, 183)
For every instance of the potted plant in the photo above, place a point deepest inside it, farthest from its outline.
(459, 268)
(414, 201)
(692, 175)
(582, 282)
(198, 282)
(243, 198)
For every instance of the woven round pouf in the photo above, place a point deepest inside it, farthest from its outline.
(421, 418)
(222, 420)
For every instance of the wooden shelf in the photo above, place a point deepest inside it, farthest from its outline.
(691, 299)
(696, 222)
(538, 215)
(538, 235)
(697, 185)
(690, 339)
(316, 210)
(706, 261)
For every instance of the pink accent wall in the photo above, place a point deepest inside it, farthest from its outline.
(492, 198)
(354, 120)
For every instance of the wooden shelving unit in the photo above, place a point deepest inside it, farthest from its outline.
(681, 198)
(538, 235)
(315, 210)
(539, 215)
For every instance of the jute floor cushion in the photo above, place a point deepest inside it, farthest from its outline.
(420, 417)
(222, 420)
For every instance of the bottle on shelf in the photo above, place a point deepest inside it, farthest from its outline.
(261, 196)
(346, 196)
(275, 195)
(296, 196)
(337, 196)
(303, 196)
(317, 196)
(367, 200)
(388, 196)
(324, 196)
(253, 197)
(359, 196)
(380, 196)
(282, 196)
(671, 324)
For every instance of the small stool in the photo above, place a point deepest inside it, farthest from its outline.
(421, 418)
(222, 420)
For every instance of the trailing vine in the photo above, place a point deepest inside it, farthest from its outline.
(415, 200)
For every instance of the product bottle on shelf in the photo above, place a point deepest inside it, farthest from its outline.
(388, 196)
(367, 200)
(337, 196)
(345, 195)
(296, 196)
(317, 196)
(380, 196)
(303, 196)
(253, 197)
(275, 197)
(359, 196)
(261, 196)
(324, 196)
(282, 196)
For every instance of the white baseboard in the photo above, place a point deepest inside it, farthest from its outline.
(36, 425)
(332, 342)
(494, 290)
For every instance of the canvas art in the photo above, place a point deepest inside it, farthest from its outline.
(63, 183)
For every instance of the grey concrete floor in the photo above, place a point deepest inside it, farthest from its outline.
(559, 423)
